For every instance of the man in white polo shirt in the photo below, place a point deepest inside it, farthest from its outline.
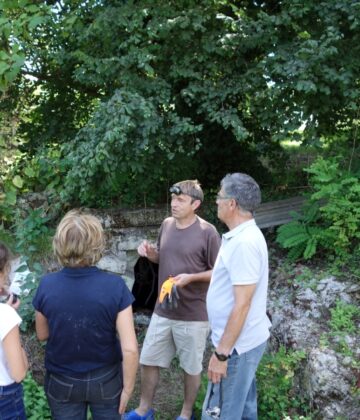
(236, 304)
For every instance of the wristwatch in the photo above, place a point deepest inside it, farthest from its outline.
(222, 357)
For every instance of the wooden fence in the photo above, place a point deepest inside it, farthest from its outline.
(275, 213)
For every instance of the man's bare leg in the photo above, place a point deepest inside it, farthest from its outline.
(191, 388)
(149, 382)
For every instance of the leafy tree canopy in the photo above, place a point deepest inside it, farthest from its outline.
(134, 94)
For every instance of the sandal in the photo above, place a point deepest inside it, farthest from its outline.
(133, 415)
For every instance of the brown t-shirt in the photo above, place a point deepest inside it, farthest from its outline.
(190, 250)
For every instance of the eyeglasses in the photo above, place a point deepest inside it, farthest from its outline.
(175, 189)
(223, 197)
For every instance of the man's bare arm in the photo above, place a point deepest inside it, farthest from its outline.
(184, 278)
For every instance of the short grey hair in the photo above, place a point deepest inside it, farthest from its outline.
(244, 189)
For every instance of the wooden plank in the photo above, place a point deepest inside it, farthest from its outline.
(275, 213)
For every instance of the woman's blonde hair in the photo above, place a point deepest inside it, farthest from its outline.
(79, 239)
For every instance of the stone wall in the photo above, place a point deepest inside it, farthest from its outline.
(125, 230)
(300, 314)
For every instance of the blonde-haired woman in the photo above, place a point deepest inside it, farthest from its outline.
(85, 315)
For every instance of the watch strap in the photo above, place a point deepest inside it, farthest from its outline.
(222, 357)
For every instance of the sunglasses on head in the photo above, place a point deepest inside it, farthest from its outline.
(175, 189)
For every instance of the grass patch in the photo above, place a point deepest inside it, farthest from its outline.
(36, 404)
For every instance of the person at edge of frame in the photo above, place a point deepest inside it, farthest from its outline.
(236, 304)
(13, 360)
(186, 249)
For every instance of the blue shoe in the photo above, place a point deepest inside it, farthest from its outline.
(183, 418)
(133, 415)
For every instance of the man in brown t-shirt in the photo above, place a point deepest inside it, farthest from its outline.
(187, 248)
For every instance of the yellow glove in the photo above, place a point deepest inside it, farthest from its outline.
(168, 294)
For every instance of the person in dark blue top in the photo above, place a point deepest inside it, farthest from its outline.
(85, 315)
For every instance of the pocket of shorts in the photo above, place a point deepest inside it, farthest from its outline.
(58, 390)
(111, 388)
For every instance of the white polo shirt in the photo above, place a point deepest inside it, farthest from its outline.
(242, 260)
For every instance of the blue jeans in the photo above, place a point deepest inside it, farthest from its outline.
(70, 396)
(235, 397)
(12, 402)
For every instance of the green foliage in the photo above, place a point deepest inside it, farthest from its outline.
(10, 183)
(201, 396)
(32, 241)
(343, 322)
(32, 233)
(159, 90)
(275, 382)
(36, 405)
(303, 236)
(347, 267)
(344, 318)
(8, 197)
(339, 190)
(304, 277)
(43, 171)
(7, 238)
(331, 219)
(15, 28)
(126, 136)
(302, 240)
(29, 286)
